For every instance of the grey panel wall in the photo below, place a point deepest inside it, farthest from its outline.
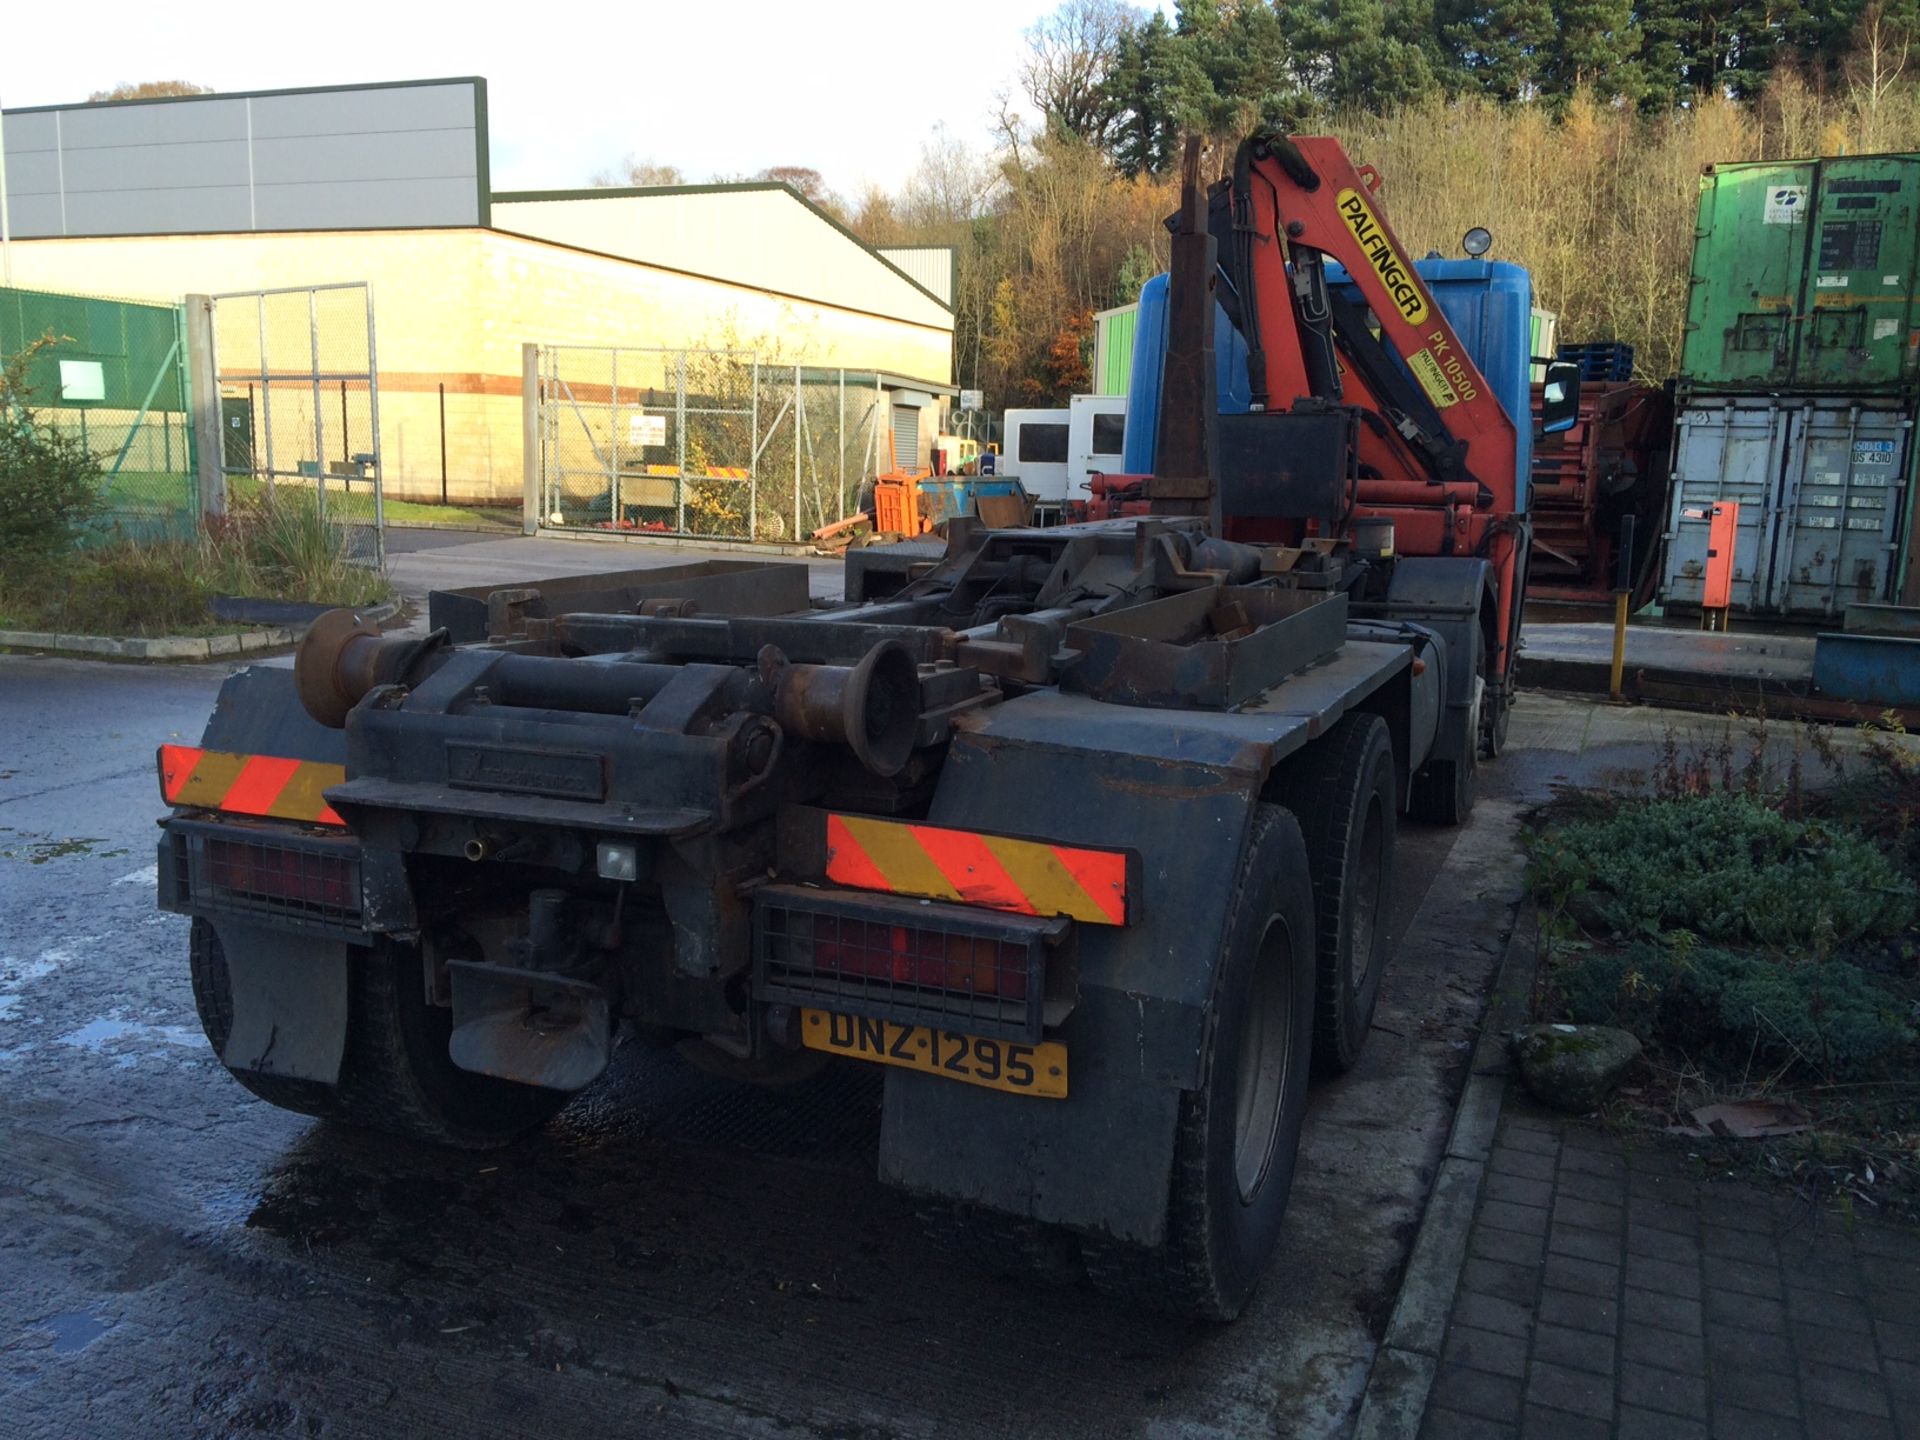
(386, 155)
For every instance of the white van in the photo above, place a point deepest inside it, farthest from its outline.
(1053, 452)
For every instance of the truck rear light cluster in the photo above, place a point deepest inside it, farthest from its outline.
(922, 962)
(278, 873)
(935, 959)
(218, 867)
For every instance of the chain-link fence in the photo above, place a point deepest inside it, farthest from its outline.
(702, 442)
(299, 405)
(114, 374)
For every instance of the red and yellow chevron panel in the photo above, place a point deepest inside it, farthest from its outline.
(272, 786)
(1028, 877)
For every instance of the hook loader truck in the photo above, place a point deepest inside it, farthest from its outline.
(1084, 834)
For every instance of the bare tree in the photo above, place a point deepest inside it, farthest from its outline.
(949, 187)
(1070, 54)
(150, 90)
(1874, 71)
(639, 174)
(804, 178)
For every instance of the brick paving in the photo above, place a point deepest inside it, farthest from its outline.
(1607, 1293)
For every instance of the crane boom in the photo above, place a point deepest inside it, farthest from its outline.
(1434, 452)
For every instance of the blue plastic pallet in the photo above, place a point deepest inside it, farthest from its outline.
(1601, 359)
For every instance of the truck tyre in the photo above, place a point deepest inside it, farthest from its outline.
(396, 1075)
(1443, 792)
(1343, 793)
(213, 998)
(1238, 1133)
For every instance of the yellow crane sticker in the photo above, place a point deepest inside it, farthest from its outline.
(1432, 379)
(1394, 272)
(1441, 372)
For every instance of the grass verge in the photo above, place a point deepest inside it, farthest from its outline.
(281, 549)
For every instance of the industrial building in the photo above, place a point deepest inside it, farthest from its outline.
(389, 185)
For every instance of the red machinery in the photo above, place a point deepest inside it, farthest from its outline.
(1388, 419)
(1611, 465)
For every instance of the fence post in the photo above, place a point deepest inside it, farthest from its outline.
(203, 391)
(529, 438)
(796, 455)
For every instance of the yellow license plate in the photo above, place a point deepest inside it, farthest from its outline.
(997, 1064)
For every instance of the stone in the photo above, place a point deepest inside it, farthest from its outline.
(1573, 1067)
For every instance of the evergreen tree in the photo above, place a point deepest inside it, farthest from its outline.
(1143, 85)
(1500, 47)
(1597, 44)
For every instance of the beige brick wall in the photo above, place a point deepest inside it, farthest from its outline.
(454, 307)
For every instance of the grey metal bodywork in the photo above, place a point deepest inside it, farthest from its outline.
(512, 754)
(1177, 789)
(340, 158)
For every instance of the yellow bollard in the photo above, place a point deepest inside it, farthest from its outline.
(1619, 642)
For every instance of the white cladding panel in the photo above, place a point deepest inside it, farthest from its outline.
(931, 266)
(765, 237)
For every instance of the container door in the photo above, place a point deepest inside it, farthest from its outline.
(1857, 314)
(1724, 452)
(1749, 254)
(1096, 436)
(1841, 511)
(1038, 450)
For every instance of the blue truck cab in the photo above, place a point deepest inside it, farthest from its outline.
(1489, 303)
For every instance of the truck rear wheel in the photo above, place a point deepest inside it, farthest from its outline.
(396, 1074)
(1343, 793)
(1239, 1132)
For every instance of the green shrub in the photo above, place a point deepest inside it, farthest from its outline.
(1725, 867)
(50, 483)
(1825, 1016)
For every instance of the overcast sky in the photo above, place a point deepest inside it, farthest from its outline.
(714, 88)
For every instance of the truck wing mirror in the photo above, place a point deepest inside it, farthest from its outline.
(1560, 398)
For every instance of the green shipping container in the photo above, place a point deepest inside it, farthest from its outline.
(1113, 332)
(1804, 277)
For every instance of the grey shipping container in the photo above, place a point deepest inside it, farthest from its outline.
(1824, 486)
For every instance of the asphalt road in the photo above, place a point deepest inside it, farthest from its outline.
(672, 1256)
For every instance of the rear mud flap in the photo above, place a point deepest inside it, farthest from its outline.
(1099, 1161)
(289, 995)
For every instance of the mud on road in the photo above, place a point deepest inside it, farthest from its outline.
(674, 1255)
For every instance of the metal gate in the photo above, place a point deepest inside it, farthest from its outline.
(707, 443)
(1822, 489)
(297, 376)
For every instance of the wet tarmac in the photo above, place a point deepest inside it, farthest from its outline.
(673, 1255)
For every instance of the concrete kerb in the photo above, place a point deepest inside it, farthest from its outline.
(174, 648)
(686, 542)
(1409, 1356)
